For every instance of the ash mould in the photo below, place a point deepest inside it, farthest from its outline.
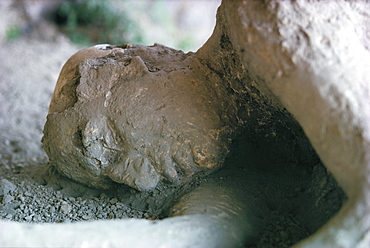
(208, 146)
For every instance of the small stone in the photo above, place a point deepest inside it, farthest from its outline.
(7, 199)
(52, 209)
(37, 200)
(58, 194)
(36, 218)
(86, 217)
(28, 194)
(6, 187)
(29, 218)
(65, 208)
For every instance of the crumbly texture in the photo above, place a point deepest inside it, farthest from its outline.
(29, 199)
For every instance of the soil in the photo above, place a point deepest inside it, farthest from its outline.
(295, 201)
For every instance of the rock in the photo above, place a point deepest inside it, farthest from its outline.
(8, 199)
(65, 208)
(6, 187)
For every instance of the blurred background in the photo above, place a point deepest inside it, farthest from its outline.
(38, 36)
(180, 24)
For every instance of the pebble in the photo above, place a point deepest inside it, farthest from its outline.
(28, 194)
(24, 199)
(29, 218)
(86, 217)
(66, 208)
(7, 199)
(6, 187)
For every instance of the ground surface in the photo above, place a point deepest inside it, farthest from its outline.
(290, 203)
(288, 207)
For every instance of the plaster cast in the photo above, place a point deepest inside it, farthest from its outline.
(310, 58)
(137, 115)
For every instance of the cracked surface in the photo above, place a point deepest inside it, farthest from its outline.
(138, 115)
